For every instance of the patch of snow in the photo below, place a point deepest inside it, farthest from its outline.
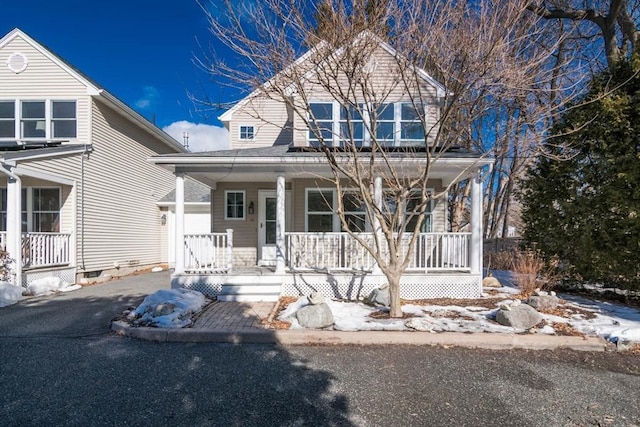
(293, 308)
(10, 294)
(168, 308)
(49, 285)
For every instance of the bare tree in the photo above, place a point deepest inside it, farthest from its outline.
(481, 54)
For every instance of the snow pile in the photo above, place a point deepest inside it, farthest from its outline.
(49, 285)
(10, 294)
(168, 308)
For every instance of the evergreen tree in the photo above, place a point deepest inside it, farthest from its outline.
(582, 203)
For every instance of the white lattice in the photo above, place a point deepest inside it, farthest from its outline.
(209, 285)
(68, 274)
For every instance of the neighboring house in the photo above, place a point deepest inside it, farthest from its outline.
(197, 216)
(274, 227)
(78, 198)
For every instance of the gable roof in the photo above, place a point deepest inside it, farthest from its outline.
(194, 192)
(440, 89)
(94, 89)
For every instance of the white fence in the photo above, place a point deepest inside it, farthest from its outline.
(211, 252)
(341, 251)
(45, 249)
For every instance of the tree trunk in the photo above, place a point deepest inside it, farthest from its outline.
(395, 307)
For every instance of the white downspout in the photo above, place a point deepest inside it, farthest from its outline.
(14, 219)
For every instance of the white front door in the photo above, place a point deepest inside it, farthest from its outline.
(267, 213)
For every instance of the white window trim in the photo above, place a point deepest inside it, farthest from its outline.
(29, 199)
(244, 205)
(48, 111)
(240, 138)
(306, 208)
(366, 136)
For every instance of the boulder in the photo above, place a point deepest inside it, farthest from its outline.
(420, 324)
(543, 302)
(491, 282)
(315, 316)
(379, 297)
(521, 316)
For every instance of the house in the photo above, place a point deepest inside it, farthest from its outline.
(274, 200)
(78, 198)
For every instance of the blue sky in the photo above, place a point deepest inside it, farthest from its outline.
(141, 51)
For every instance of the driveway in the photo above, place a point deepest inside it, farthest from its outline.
(87, 311)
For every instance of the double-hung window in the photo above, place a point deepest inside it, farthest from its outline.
(351, 126)
(33, 119)
(320, 211)
(234, 205)
(320, 123)
(38, 119)
(354, 212)
(63, 119)
(384, 123)
(7, 119)
(411, 124)
(411, 209)
(40, 209)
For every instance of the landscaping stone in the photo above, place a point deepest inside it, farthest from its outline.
(418, 324)
(315, 316)
(315, 298)
(379, 297)
(491, 282)
(543, 302)
(522, 316)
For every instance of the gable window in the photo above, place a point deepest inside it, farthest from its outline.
(234, 204)
(33, 120)
(384, 124)
(7, 119)
(63, 119)
(411, 129)
(320, 123)
(351, 126)
(247, 132)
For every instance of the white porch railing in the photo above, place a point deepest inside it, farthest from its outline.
(208, 252)
(3, 240)
(340, 251)
(45, 249)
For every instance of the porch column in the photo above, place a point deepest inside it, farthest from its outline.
(377, 197)
(280, 225)
(476, 225)
(14, 225)
(179, 236)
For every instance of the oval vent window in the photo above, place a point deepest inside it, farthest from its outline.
(17, 62)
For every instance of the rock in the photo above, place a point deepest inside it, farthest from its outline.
(379, 297)
(520, 317)
(316, 298)
(163, 309)
(156, 269)
(315, 316)
(543, 302)
(419, 324)
(491, 282)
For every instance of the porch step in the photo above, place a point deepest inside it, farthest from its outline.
(247, 288)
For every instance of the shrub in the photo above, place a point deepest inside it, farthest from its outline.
(533, 272)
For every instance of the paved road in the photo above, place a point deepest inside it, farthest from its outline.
(70, 374)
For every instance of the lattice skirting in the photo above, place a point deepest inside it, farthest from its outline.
(209, 285)
(68, 274)
(350, 286)
(354, 287)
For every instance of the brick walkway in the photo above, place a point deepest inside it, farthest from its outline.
(234, 316)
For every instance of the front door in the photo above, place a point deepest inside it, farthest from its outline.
(267, 214)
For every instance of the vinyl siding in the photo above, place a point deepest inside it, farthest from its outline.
(268, 117)
(43, 80)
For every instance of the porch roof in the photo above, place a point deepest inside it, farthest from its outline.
(13, 156)
(258, 164)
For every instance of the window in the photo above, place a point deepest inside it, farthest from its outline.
(38, 119)
(33, 121)
(320, 123)
(392, 124)
(411, 212)
(234, 205)
(63, 119)
(247, 132)
(320, 210)
(7, 119)
(40, 210)
(354, 212)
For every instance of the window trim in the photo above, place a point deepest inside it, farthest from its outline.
(247, 127)
(18, 119)
(332, 212)
(28, 200)
(244, 205)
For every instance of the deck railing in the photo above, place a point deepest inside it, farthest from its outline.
(341, 251)
(211, 252)
(45, 249)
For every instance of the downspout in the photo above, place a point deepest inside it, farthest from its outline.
(86, 152)
(6, 169)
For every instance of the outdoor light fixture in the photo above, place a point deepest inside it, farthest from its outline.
(163, 219)
(250, 208)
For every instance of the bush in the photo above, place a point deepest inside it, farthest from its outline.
(533, 272)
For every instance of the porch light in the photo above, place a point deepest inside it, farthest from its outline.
(251, 208)
(163, 219)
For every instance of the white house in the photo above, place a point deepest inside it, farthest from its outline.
(275, 230)
(78, 198)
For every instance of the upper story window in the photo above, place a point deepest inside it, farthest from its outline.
(391, 124)
(247, 133)
(38, 119)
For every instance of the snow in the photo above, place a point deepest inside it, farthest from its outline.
(49, 285)
(168, 308)
(10, 294)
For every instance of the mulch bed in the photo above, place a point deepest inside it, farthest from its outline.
(569, 311)
(488, 303)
